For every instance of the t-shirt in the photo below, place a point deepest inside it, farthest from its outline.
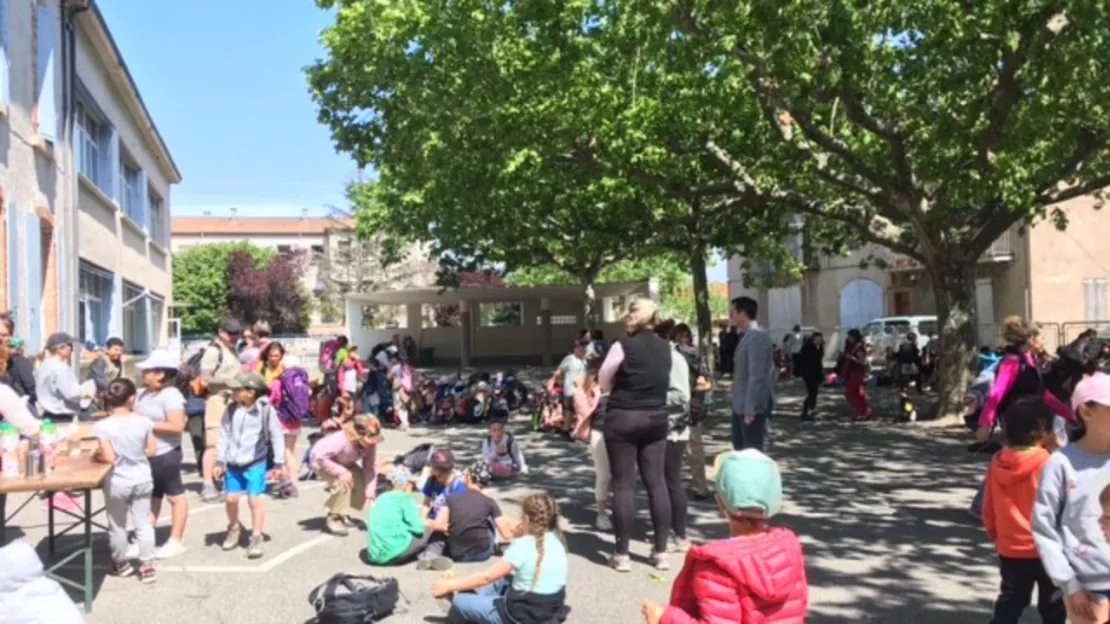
(470, 514)
(523, 555)
(394, 521)
(155, 406)
(573, 368)
(127, 435)
(438, 492)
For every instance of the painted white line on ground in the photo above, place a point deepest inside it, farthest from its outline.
(262, 568)
(270, 564)
(311, 485)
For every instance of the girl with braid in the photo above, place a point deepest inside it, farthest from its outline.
(527, 585)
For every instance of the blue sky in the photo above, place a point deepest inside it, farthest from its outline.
(223, 80)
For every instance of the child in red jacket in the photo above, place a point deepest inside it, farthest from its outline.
(758, 574)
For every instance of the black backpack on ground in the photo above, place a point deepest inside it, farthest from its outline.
(350, 599)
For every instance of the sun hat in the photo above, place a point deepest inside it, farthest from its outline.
(1093, 389)
(367, 428)
(479, 472)
(399, 475)
(160, 359)
(249, 380)
(748, 483)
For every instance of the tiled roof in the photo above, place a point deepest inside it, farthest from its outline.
(283, 226)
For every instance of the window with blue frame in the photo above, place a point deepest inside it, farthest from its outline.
(46, 105)
(90, 144)
(131, 192)
(95, 303)
(135, 319)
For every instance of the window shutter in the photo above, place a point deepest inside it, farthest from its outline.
(13, 256)
(5, 68)
(1101, 299)
(115, 308)
(1088, 300)
(142, 203)
(47, 103)
(33, 235)
(110, 173)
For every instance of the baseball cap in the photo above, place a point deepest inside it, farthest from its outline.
(250, 380)
(479, 472)
(1093, 389)
(442, 458)
(59, 339)
(231, 326)
(748, 483)
(399, 475)
(160, 359)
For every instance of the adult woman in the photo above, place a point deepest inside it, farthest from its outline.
(678, 434)
(854, 369)
(810, 367)
(164, 405)
(271, 365)
(700, 398)
(636, 375)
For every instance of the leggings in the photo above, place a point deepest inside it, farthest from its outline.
(672, 469)
(638, 438)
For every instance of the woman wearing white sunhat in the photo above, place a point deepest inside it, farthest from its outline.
(164, 405)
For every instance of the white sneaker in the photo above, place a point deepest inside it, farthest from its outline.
(132, 551)
(603, 523)
(172, 548)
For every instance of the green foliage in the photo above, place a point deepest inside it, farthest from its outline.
(200, 283)
(679, 304)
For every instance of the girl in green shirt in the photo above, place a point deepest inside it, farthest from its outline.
(397, 530)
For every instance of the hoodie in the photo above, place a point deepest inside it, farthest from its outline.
(27, 595)
(1008, 500)
(742, 580)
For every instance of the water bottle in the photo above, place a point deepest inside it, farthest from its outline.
(48, 443)
(9, 451)
(34, 463)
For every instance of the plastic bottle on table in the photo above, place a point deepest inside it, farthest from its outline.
(48, 443)
(9, 451)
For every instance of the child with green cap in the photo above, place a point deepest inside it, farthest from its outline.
(758, 574)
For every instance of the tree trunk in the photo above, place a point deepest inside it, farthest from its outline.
(701, 303)
(589, 300)
(954, 291)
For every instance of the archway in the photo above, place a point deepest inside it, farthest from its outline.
(861, 301)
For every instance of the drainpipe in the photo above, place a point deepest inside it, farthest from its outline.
(67, 253)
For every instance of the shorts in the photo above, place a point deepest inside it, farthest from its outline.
(214, 408)
(290, 427)
(165, 469)
(249, 480)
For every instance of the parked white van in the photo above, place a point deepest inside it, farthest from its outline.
(890, 331)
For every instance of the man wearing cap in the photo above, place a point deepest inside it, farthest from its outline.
(59, 393)
(218, 367)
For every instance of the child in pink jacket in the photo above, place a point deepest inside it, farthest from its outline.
(337, 458)
(758, 574)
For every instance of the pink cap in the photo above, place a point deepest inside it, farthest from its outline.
(1093, 389)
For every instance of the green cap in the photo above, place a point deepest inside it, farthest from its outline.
(748, 483)
(250, 380)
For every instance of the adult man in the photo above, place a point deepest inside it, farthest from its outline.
(753, 397)
(108, 365)
(21, 373)
(218, 367)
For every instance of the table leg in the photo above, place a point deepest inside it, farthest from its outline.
(50, 524)
(3, 518)
(88, 552)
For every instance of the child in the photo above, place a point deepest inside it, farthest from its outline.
(589, 408)
(1007, 507)
(400, 374)
(250, 435)
(1065, 528)
(528, 584)
(466, 527)
(758, 574)
(442, 481)
(397, 533)
(126, 441)
(350, 372)
(27, 594)
(501, 452)
(336, 458)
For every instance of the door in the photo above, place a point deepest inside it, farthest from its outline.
(984, 311)
(861, 301)
(784, 310)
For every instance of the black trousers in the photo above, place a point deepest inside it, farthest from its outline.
(813, 386)
(1019, 576)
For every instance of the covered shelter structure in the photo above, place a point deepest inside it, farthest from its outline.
(471, 326)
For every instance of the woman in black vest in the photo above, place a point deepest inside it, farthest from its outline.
(636, 375)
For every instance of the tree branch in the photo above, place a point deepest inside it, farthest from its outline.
(861, 222)
(1072, 192)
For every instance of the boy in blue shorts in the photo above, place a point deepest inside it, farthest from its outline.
(249, 433)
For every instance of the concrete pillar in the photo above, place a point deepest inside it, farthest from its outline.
(545, 329)
(414, 320)
(354, 324)
(466, 333)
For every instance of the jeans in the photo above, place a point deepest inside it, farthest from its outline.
(636, 438)
(750, 436)
(477, 607)
(977, 502)
(134, 500)
(672, 471)
(1019, 576)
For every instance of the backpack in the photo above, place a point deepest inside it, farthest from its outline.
(350, 599)
(296, 395)
(193, 372)
(417, 458)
